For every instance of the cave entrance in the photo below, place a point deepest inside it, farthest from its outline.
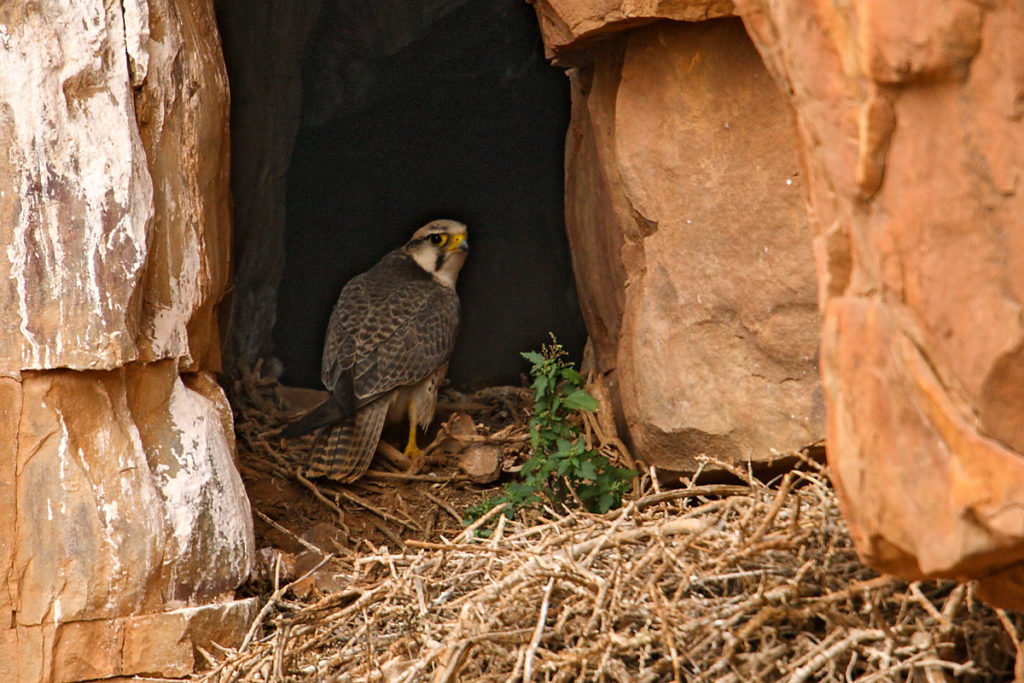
(354, 124)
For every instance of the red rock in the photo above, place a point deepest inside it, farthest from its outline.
(116, 246)
(918, 244)
(908, 136)
(10, 413)
(702, 309)
(480, 462)
(568, 24)
(118, 496)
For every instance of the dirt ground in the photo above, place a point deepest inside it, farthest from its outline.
(390, 505)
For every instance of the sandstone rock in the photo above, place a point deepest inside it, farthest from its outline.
(26, 653)
(712, 337)
(126, 497)
(90, 532)
(75, 193)
(481, 462)
(182, 110)
(99, 268)
(163, 644)
(566, 24)
(118, 497)
(909, 128)
(10, 413)
(87, 650)
(206, 513)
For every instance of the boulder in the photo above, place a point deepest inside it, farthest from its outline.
(123, 521)
(113, 196)
(908, 144)
(909, 129)
(569, 24)
(685, 212)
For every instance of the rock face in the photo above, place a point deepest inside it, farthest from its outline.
(123, 522)
(909, 140)
(686, 218)
(910, 129)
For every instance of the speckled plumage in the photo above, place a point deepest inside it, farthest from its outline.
(389, 339)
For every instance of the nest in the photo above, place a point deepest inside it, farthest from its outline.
(751, 581)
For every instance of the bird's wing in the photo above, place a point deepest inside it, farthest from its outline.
(416, 346)
(391, 327)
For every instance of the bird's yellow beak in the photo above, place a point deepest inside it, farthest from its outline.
(458, 243)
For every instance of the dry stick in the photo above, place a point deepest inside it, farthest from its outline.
(358, 500)
(919, 597)
(859, 587)
(386, 530)
(1018, 662)
(690, 492)
(497, 437)
(301, 541)
(670, 528)
(467, 534)
(953, 602)
(608, 534)
(274, 597)
(780, 497)
(520, 657)
(394, 456)
(819, 660)
(666, 631)
(538, 632)
(474, 548)
(443, 504)
(320, 496)
(404, 476)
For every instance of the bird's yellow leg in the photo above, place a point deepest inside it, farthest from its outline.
(412, 451)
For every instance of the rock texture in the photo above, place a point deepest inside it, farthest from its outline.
(686, 217)
(909, 143)
(909, 125)
(265, 115)
(124, 525)
(569, 24)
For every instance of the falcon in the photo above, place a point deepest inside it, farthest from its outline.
(387, 348)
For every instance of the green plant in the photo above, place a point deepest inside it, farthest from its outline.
(561, 469)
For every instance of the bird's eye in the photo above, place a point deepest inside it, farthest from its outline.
(437, 239)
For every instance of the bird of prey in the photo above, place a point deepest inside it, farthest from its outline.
(387, 348)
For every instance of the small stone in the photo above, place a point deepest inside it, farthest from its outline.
(480, 462)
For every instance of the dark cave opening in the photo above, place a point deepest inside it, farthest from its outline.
(410, 113)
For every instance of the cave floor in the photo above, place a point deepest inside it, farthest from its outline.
(380, 580)
(395, 504)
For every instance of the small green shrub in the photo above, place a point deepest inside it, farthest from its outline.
(561, 469)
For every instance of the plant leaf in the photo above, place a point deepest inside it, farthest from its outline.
(580, 400)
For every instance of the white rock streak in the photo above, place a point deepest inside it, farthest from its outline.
(77, 186)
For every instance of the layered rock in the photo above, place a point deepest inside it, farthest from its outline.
(908, 134)
(685, 212)
(909, 122)
(122, 518)
(570, 24)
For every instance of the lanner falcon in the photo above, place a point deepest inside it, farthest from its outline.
(387, 347)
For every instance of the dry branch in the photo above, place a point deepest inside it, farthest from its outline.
(723, 583)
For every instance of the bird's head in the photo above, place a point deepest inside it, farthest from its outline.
(440, 248)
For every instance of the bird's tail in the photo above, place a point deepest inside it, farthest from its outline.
(343, 451)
